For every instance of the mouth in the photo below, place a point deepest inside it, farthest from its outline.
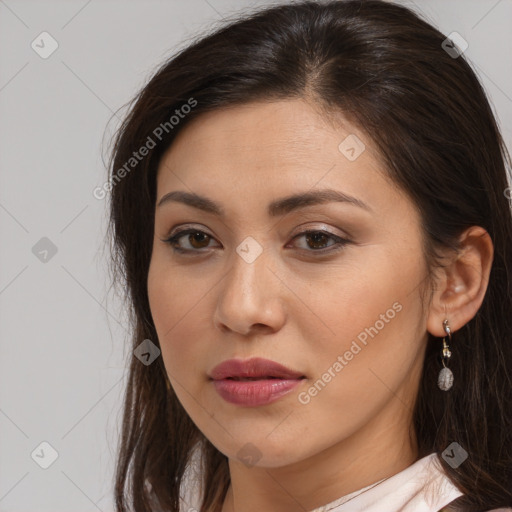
(253, 369)
(263, 377)
(255, 391)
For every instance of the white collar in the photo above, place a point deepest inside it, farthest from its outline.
(421, 487)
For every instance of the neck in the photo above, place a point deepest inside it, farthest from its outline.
(379, 450)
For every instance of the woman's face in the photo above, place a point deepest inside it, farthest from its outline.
(346, 316)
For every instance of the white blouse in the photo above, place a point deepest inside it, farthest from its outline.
(421, 487)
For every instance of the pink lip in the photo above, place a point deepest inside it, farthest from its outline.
(254, 367)
(256, 392)
(273, 381)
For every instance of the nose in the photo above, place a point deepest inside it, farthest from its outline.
(250, 297)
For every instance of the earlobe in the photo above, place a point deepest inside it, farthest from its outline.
(462, 282)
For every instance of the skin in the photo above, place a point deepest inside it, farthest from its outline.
(297, 307)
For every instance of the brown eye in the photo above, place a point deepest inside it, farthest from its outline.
(196, 240)
(317, 241)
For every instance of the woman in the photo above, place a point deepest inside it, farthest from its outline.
(310, 213)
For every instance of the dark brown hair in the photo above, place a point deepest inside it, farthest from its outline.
(384, 68)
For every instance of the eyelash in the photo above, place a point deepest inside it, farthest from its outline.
(340, 242)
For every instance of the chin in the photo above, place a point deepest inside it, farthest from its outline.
(264, 454)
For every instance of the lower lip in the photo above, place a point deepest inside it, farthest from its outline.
(254, 392)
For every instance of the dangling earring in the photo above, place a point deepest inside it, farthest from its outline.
(445, 379)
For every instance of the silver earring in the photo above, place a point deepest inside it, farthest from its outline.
(445, 379)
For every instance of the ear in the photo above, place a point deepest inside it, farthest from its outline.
(462, 283)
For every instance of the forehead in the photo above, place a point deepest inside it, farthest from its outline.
(268, 129)
(272, 149)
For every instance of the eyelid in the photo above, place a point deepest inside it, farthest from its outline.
(324, 228)
(183, 227)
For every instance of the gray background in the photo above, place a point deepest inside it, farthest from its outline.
(62, 334)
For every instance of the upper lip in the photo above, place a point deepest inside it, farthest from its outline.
(255, 367)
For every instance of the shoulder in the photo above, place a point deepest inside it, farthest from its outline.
(448, 508)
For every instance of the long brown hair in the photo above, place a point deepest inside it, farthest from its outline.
(387, 70)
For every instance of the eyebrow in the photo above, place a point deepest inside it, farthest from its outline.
(276, 208)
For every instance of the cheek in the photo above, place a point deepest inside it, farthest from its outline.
(348, 298)
(178, 321)
(171, 296)
(369, 311)
(177, 308)
(374, 317)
